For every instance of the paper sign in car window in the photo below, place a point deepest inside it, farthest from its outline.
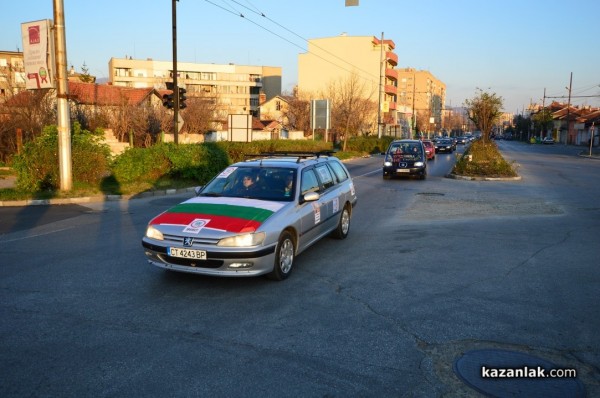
(225, 173)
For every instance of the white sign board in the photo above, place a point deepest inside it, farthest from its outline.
(240, 128)
(38, 54)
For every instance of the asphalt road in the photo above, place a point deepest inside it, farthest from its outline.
(431, 270)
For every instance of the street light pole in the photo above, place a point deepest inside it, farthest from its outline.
(62, 94)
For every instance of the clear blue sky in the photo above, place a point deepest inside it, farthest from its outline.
(514, 48)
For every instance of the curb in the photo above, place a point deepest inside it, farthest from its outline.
(474, 178)
(93, 199)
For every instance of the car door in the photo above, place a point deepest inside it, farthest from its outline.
(329, 196)
(311, 217)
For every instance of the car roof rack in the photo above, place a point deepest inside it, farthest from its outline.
(289, 154)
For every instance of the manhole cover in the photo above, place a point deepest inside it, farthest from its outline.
(477, 369)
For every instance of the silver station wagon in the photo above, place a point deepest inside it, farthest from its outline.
(255, 217)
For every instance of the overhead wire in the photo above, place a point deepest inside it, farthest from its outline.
(263, 15)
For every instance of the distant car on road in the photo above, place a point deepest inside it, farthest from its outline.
(548, 140)
(462, 140)
(405, 158)
(429, 149)
(445, 145)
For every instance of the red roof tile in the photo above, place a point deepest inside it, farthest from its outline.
(103, 94)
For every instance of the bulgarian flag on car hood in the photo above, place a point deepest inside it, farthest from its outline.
(226, 214)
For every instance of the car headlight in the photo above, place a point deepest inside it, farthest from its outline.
(243, 240)
(154, 233)
(418, 164)
(387, 163)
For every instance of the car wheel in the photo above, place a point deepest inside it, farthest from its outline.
(343, 225)
(284, 257)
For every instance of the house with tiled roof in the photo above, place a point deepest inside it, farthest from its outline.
(107, 95)
(575, 125)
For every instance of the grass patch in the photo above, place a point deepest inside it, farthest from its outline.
(483, 159)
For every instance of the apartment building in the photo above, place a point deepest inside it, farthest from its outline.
(237, 89)
(333, 60)
(424, 95)
(12, 74)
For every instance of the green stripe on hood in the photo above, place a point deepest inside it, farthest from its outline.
(245, 212)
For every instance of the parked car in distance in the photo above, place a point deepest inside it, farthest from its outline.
(445, 145)
(429, 149)
(548, 140)
(405, 158)
(255, 217)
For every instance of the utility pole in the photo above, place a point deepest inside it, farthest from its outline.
(414, 115)
(569, 109)
(379, 123)
(62, 95)
(175, 86)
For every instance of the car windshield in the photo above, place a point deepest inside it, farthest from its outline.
(267, 183)
(405, 151)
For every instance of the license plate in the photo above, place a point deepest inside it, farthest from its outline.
(402, 170)
(186, 253)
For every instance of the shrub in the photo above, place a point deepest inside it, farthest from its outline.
(486, 160)
(37, 165)
(198, 162)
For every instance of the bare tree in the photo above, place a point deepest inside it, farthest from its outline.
(297, 113)
(199, 116)
(352, 109)
(29, 111)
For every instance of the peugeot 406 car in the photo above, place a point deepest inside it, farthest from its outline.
(255, 217)
(405, 158)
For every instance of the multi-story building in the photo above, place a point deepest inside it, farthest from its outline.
(333, 60)
(12, 74)
(235, 88)
(424, 95)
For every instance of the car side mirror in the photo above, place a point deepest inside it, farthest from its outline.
(198, 189)
(311, 197)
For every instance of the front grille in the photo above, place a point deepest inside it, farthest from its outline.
(178, 240)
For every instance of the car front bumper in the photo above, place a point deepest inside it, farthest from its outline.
(409, 171)
(250, 262)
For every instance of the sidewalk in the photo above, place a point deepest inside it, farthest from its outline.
(7, 182)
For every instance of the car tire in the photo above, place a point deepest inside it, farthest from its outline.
(284, 257)
(343, 227)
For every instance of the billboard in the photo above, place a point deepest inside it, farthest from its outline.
(320, 114)
(38, 54)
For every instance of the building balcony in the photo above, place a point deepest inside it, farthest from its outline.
(391, 90)
(392, 58)
(391, 74)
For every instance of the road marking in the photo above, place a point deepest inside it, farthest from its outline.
(35, 236)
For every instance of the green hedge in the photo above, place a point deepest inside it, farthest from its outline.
(37, 165)
(186, 161)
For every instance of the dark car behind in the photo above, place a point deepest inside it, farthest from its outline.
(405, 158)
